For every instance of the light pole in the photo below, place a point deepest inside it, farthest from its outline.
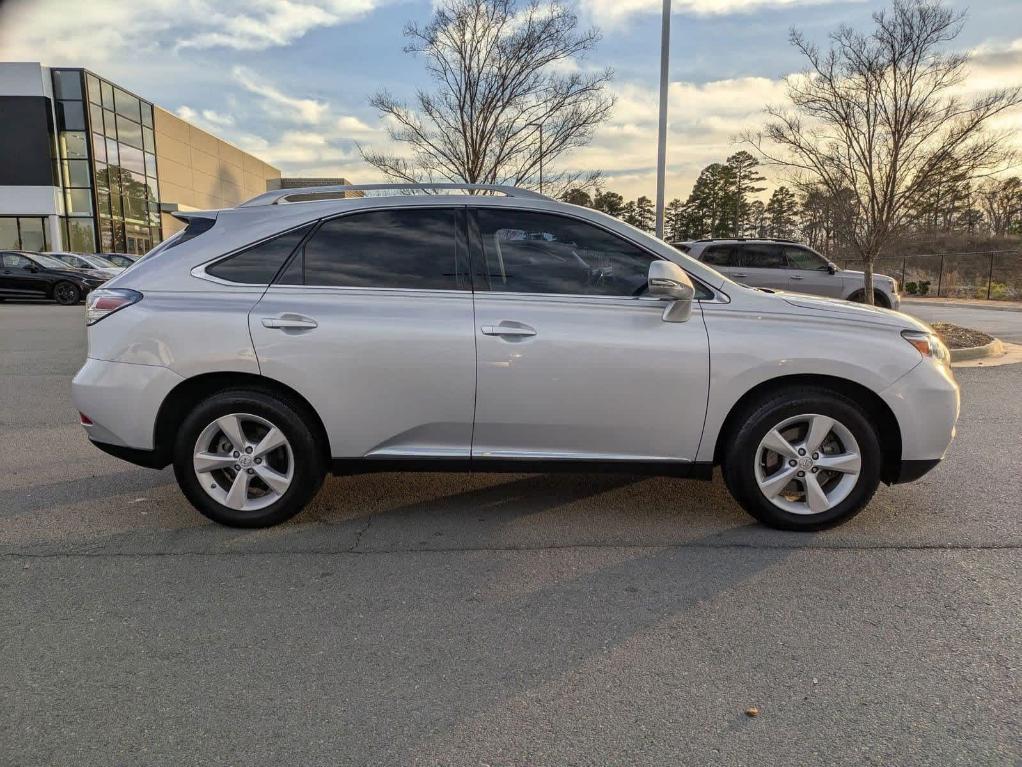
(540, 127)
(661, 159)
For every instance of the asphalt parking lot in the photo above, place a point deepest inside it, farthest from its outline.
(496, 619)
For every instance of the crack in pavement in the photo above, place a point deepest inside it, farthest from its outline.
(97, 554)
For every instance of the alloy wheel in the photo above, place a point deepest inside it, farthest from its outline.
(807, 464)
(65, 293)
(243, 461)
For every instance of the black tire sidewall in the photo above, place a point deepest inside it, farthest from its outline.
(75, 292)
(309, 465)
(739, 471)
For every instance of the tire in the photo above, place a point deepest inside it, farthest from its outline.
(749, 465)
(299, 459)
(879, 298)
(66, 293)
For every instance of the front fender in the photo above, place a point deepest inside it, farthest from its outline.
(752, 347)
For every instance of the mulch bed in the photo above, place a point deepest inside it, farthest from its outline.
(957, 337)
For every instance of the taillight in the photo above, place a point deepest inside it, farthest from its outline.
(105, 301)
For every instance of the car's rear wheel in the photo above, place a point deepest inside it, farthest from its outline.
(66, 293)
(879, 298)
(248, 459)
(804, 459)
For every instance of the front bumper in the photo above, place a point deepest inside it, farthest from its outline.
(122, 400)
(926, 402)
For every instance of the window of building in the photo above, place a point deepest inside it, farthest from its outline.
(411, 248)
(67, 84)
(71, 115)
(529, 252)
(259, 264)
(79, 235)
(24, 233)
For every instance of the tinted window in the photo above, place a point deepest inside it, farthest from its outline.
(540, 253)
(385, 249)
(719, 255)
(803, 258)
(14, 261)
(259, 264)
(763, 256)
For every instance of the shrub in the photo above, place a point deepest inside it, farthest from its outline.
(911, 288)
(924, 287)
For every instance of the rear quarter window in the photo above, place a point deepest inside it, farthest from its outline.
(259, 264)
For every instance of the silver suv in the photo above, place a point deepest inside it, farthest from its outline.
(789, 265)
(497, 330)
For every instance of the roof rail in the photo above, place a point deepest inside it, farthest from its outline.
(278, 196)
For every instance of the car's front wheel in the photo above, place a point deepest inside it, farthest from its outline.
(248, 459)
(66, 293)
(804, 459)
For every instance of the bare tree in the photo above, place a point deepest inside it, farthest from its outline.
(877, 114)
(509, 96)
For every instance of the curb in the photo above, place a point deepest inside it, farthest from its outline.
(957, 305)
(992, 349)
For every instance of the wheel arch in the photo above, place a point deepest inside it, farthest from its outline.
(877, 410)
(182, 397)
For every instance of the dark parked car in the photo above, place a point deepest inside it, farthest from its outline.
(34, 275)
(122, 260)
(89, 263)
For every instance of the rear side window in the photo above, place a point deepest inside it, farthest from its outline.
(764, 256)
(259, 264)
(411, 249)
(719, 255)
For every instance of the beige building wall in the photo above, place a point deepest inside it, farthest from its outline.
(198, 171)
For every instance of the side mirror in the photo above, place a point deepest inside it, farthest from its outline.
(831, 267)
(32, 269)
(669, 282)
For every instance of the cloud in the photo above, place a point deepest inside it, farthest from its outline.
(278, 103)
(611, 11)
(101, 31)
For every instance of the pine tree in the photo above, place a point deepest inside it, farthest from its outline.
(628, 214)
(645, 214)
(781, 213)
(674, 221)
(578, 197)
(610, 203)
(745, 175)
(711, 203)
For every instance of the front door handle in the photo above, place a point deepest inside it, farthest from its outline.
(519, 331)
(743, 276)
(290, 322)
(796, 277)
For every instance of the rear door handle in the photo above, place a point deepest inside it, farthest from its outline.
(796, 277)
(290, 321)
(736, 274)
(519, 331)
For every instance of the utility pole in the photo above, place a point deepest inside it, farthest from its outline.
(661, 161)
(540, 127)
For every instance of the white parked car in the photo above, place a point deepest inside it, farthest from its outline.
(88, 263)
(789, 265)
(268, 344)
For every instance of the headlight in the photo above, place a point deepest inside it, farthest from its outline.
(928, 345)
(105, 301)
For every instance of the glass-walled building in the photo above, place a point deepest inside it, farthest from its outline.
(107, 150)
(88, 166)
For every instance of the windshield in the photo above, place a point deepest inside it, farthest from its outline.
(48, 261)
(98, 262)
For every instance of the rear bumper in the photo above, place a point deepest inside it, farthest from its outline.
(122, 400)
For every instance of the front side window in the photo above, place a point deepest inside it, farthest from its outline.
(412, 248)
(760, 256)
(526, 252)
(803, 258)
(259, 264)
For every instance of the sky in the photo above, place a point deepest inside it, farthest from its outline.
(289, 80)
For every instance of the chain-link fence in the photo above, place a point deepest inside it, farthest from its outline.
(992, 274)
